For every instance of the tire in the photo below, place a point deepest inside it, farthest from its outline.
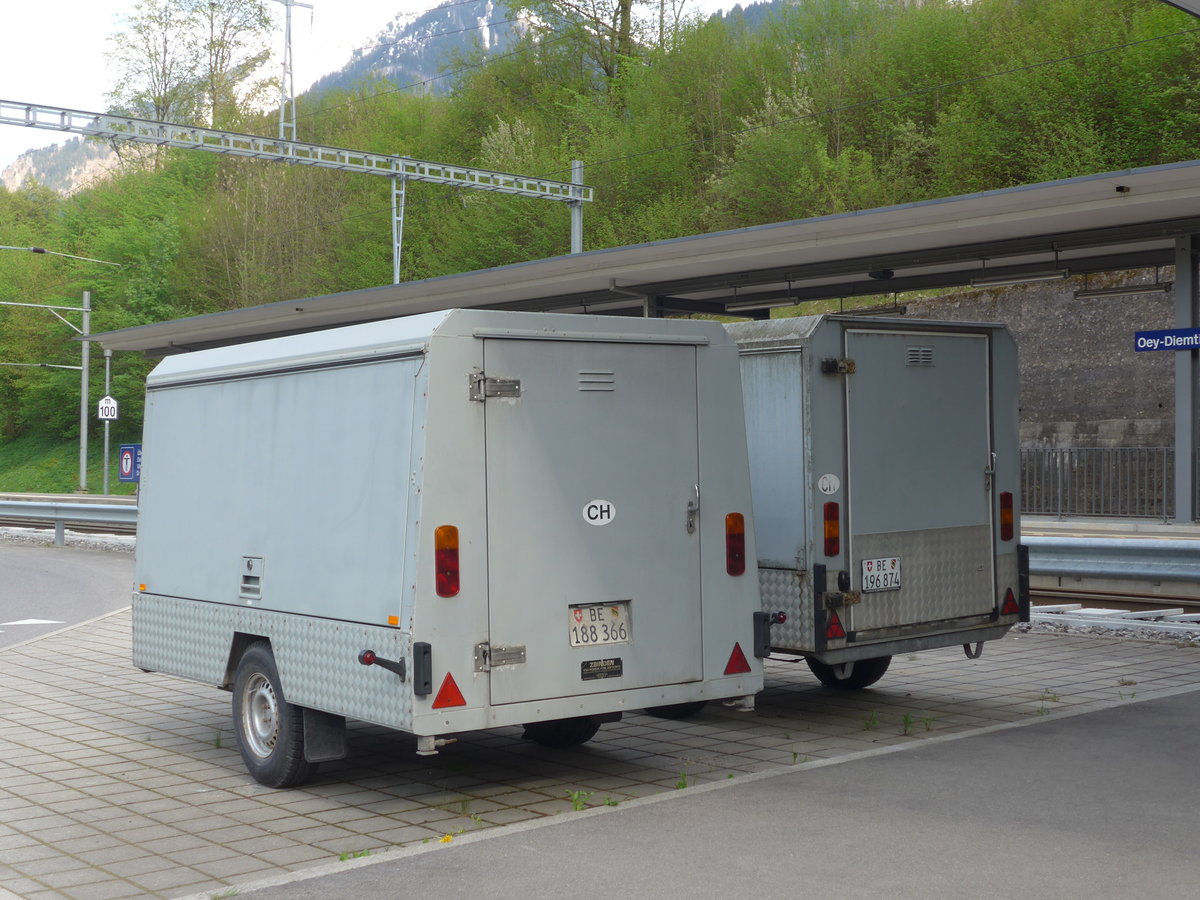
(562, 732)
(864, 674)
(270, 731)
(677, 710)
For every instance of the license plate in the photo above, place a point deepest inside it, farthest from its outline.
(881, 574)
(594, 624)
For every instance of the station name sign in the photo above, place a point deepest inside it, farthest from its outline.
(1171, 339)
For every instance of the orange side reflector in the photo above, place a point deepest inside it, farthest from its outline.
(445, 560)
(833, 529)
(737, 661)
(835, 629)
(1010, 607)
(1006, 516)
(449, 694)
(735, 544)
(393, 620)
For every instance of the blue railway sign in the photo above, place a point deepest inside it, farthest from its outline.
(129, 462)
(1170, 339)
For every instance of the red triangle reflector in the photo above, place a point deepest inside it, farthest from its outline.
(737, 661)
(835, 629)
(449, 694)
(1010, 607)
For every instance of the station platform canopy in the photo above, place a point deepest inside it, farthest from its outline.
(1096, 223)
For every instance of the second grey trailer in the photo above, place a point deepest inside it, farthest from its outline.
(884, 469)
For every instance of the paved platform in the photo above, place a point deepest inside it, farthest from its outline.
(119, 784)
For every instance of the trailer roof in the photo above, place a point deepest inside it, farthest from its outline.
(1096, 223)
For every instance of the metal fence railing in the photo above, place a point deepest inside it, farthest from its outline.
(1099, 481)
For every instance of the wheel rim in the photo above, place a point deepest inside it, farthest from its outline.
(260, 715)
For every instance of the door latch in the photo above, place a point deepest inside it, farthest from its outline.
(989, 472)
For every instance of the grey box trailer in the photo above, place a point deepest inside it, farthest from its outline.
(885, 470)
(448, 522)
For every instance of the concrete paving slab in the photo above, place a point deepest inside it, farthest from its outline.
(96, 750)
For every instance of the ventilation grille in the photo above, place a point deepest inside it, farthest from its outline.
(598, 380)
(920, 356)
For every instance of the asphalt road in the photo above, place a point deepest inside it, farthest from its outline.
(45, 588)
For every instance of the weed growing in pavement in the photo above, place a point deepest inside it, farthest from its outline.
(682, 782)
(907, 723)
(871, 722)
(579, 799)
(928, 721)
(609, 801)
(1047, 696)
(1126, 682)
(355, 854)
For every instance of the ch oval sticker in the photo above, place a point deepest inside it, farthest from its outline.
(829, 484)
(599, 512)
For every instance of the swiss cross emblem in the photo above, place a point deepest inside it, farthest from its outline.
(578, 613)
(870, 566)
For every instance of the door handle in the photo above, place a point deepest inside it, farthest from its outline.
(693, 509)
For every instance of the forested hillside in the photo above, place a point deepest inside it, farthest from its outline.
(830, 105)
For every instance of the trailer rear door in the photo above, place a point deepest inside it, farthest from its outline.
(594, 577)
(919, 455)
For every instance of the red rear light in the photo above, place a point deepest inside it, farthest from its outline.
(1006, 516)
(735, 544)
(833, 529)
(445, 560)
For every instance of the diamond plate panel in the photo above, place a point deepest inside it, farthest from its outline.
(317, 658)
(791, 592)
(945, 573)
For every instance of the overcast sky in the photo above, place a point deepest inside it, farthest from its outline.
(54, 51)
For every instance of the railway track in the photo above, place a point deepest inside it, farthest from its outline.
(80, 527)
(1114, 599)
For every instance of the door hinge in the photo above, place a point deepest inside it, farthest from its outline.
(833, 366)
(488, 657)
(482, 387)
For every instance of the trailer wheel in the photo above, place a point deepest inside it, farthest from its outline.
(864, 674)
(562, 732)
(677, 710)
(270, 730)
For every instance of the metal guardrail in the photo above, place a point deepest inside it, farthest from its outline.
(63, 513)
(1131, 558)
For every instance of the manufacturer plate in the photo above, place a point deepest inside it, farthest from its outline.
(881, 574)
(594, 669)
(594, 624)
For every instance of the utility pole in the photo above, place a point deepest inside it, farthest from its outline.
(287, 87)
(84, 332)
